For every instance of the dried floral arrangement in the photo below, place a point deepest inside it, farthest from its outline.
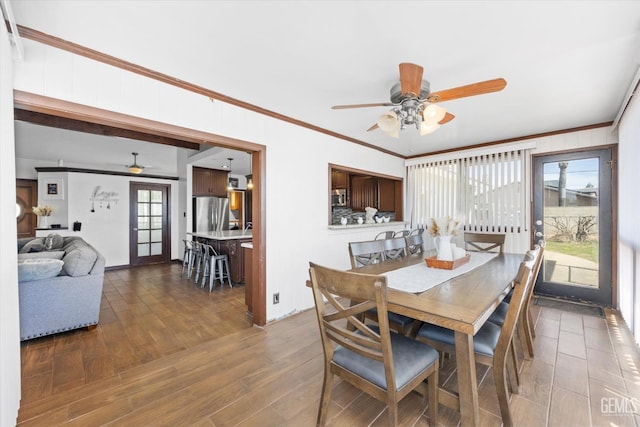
(445, 226)
(44, 210)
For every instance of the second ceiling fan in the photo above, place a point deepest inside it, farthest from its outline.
(414, 104)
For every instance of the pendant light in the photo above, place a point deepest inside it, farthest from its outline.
(250, 179)
(229, 186)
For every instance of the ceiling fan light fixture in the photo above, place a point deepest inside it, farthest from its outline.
(135, 168)
(388, 123)
(433, 113)
(426, 127)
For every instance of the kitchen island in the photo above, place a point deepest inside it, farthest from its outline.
(228, 242)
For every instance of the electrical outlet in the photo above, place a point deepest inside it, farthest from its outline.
(276, 298)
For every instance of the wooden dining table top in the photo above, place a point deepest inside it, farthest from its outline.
(462, 303)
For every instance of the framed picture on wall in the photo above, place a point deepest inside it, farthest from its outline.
(233, 182)
(53, 189)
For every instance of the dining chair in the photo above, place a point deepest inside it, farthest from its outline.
(415, 231)
(395, 248)
(492, 344)
(415, 244)
(525, 327)
(365, 253)
(401, 233)
(484, 242)
(384, 235)
(373, 252)
(383, 364)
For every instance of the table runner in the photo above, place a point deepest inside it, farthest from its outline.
(419, 278)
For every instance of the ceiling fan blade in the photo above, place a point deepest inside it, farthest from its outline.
(473, 89)
(374, 127)
(410, 79)
(377, 104)
(447, 118)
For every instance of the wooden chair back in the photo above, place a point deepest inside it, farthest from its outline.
(349, 295)
(415, 244)
(522, 284)
(395, 248)
(365, 253)
(484, 242)
(371, 291)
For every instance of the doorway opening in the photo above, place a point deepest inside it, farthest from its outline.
(68, 115)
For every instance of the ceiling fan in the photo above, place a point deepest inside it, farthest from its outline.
(135, 167)
(414, 104)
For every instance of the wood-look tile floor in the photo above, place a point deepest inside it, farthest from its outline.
(154, 361)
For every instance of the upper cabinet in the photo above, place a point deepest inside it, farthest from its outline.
(209, 182)
(339, 180)
(386, 194)
(369, 189)
(364, 192)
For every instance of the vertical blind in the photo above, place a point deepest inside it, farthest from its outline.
(485, 192)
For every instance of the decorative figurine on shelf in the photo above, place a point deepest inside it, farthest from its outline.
(368, 215)
(343, 220)
(360, 220)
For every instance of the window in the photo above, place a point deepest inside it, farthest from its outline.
(485, 192)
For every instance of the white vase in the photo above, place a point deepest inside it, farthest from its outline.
(443, 247)
(43, 222)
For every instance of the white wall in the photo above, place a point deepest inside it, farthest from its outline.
(628, 219)
(10, 390)
(106, 229)
(297, 159)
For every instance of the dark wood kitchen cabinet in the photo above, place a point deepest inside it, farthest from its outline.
(364, 192)
(209, 182)
(247, 253)
(386, 195)
(236, 257)
(339, 179)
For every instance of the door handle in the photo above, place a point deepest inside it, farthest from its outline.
(135, 229)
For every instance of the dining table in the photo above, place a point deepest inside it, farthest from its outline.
(459, 300)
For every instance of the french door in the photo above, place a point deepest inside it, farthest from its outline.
(572, 210)
(149, 237)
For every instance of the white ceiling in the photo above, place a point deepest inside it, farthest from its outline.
(567, 63)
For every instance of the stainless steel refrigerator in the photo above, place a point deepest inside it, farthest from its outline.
(210, 214)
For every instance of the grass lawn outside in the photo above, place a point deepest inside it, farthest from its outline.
(586, 250)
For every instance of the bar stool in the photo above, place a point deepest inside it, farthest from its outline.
(198, 249)
(214, 263)
(187, 258)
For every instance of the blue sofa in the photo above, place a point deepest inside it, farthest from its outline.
(60, 285)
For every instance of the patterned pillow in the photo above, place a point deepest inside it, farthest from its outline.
(37, 269)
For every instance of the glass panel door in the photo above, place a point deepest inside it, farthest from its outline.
(572, 210)
(150, 223)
